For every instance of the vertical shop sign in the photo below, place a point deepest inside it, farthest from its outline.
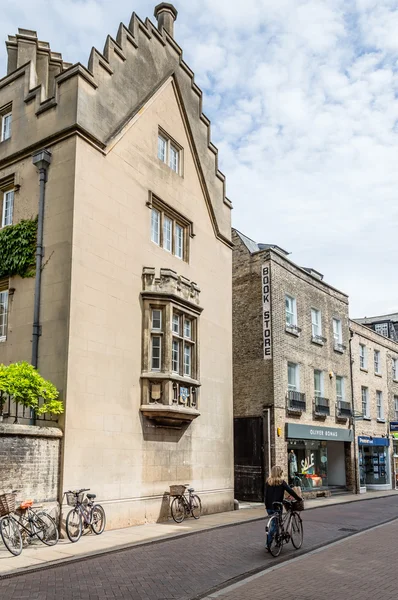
(266, 293)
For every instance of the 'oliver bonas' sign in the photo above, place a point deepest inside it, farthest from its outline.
(266, 293)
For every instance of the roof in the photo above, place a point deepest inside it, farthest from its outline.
(377, 319)
(252, 246)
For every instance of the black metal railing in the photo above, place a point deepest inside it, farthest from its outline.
(321, 406)
(295, 401)
(14, 412)
(343, 409)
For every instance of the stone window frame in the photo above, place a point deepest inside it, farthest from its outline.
(395, 369)
(4, 307)
(363, 363)
(377, 362)
(296, 386)
(321, 392)
(318, 313)
(380, 406)
(396, 407)
(5, 111)
(365, 402)
(170, 145)
(340, 397)
(7, 186)
(166, 211)
(292, 312)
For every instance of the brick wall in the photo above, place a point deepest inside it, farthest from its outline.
(29, 461)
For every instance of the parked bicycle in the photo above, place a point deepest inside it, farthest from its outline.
(183, 505)
(85, 513)
(283, 528)
(22, 527)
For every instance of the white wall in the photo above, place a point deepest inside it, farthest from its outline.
(336, 463)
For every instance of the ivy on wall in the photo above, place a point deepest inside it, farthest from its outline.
(18, 249)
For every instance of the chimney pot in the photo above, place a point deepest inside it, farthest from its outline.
(166, 14)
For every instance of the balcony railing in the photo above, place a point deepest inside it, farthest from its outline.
(321, 406)
(295, 401)
(343, 410)
(12, 412)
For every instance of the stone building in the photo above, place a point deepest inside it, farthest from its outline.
(136, 309)
(385, 325)
(375, 396)
(291, 374)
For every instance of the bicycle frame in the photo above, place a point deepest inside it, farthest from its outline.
(29, 518)
(85, 513)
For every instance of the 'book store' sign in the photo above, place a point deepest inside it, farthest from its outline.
(266, 292)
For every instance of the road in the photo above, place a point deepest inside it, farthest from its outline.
(195, 566)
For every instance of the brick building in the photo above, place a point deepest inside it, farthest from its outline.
(135, 320)
(375, 398)
(291, 373)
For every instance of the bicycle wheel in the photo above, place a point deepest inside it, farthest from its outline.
(47, 530)
(98, 519)
(178, 509)
(11, 535)
(274, 537)
(196, 506)
(74, 525)
(296, 534)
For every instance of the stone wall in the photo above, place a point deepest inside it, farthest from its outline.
(29, 461)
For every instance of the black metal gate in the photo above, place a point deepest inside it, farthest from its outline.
(249, 458)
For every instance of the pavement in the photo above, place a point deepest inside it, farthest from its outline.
(360, 568)
(198, 558)
(38, 555)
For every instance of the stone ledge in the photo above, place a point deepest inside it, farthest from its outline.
(30, 430)
(169, 416)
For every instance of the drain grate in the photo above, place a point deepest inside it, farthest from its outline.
(348, 529)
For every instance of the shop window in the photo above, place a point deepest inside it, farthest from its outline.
(365, 402)
(377, 362)
(362, 356)
(308, 464)
(373, 465)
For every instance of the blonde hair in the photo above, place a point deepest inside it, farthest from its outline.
(275, 477)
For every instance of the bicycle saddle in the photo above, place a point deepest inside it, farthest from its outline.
(191, 490)
(26, 504)
(91, 496)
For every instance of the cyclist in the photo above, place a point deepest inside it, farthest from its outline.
(275, 488)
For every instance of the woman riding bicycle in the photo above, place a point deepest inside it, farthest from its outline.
(275, 489)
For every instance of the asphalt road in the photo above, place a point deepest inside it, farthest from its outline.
(191, 567)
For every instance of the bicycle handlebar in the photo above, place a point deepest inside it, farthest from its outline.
(77, 491)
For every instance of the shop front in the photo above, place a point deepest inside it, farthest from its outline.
(317, 456)
(374, 463)
(394, 435)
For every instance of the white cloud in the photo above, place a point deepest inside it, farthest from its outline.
(303, 100)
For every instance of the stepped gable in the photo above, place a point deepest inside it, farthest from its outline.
(113, 88)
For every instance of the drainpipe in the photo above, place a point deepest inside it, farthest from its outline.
(353, 418)
(42, 161)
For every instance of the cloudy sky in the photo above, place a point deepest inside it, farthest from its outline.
(303, 101)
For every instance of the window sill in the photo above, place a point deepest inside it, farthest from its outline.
(381, 420)
(395, 380)
(366, 418)
(378, 374)
(293, 330)
(316, 341)
(169, 375)
(3, 338)
(364, 369)
(169, 415)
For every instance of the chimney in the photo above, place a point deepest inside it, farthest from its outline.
(166, 14)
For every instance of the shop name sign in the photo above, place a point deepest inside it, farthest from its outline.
(394, 426)
(369, 441)
(307, 432)
(266, 294)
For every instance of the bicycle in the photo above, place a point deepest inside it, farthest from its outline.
(183, 505)
(17, 529)
(84, 514)
(284, 528)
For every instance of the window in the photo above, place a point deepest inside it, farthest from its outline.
(3, 310)
(382, 329)
(293, 384)
(169, 230)
(379, 405)
(396, 407)
(6, 120)
(291, 311)
(167, 233)
(365, 402)
(183, 344)
(340, 395)
(316, 323)
(377, 362)
(362, 356)
(318, 383)
(155, 226)
(337, 332)
(8, 208)
(169, 152)
(156, 340)
(395, 369)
